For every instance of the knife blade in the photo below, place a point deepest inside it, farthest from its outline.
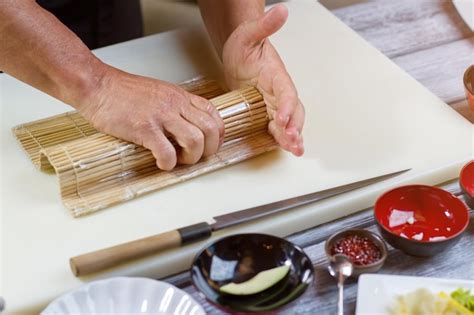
(242, 216)
(466, 11)
(105, 258)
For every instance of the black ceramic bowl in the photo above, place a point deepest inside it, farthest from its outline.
(438, 219)
(376, 240)
(238, 258)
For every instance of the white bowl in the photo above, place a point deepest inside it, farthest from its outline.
(123, 295)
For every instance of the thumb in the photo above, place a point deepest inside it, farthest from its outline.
(256, 31)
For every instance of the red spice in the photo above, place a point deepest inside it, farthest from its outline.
(361, 250)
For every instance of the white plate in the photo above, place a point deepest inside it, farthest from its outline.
(377, 293)
(123, 295)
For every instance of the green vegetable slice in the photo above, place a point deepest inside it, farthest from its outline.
(464, 297)
(260, 282)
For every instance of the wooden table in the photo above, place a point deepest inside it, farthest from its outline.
(428, 39)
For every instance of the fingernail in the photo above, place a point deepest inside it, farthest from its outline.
(290, 132)
(293, 134)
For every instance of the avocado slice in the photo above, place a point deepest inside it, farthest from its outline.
(260, 282)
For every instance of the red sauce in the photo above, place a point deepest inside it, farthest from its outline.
(360, 249)
(421, 213)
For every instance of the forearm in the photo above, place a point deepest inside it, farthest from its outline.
(39, 50)
(223, 16)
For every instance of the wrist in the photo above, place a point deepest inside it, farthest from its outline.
(83, 85)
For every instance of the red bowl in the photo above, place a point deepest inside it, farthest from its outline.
(421, 220)
(469, 85)
(466, 181)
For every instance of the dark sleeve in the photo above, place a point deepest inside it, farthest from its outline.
(99, 22)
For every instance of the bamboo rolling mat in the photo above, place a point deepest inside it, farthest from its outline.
(96, 170)
(40, 134)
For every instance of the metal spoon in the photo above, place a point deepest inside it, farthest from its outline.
(340, 267)
(2, 304)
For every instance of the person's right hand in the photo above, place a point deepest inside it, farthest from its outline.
(148, 111)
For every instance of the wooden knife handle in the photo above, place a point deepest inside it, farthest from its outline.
(109, 257)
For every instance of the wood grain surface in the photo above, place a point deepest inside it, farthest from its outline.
(428, 39)
(441, 68)
(405, 26)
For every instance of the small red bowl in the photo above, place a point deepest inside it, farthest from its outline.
(421, 220)
(469, 85)
(466, 181)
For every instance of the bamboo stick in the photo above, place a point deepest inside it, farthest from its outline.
(96, 170)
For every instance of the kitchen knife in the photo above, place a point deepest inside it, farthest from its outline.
(466, 10)
(112, 256)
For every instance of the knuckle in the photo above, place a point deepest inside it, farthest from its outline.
(209, 127)
(169, 102)
(167, 153)
(210, 108)
(142, 125)
(195, 139)
(203, 104)
(168, 119)
(175, 99)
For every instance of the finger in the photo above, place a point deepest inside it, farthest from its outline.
(286, 98)
(263, 27)
(294, 128)
(189, 138)
(162, 149)
(300, 150)
(209, 108)
(208, 126)
(279, 135)
(295, 125)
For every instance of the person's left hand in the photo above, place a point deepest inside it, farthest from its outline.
(250, 60)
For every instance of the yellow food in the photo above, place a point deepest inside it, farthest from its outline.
(424, 302)
(455, 305)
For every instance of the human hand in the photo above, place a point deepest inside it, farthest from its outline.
(147, 111)
(250, 59)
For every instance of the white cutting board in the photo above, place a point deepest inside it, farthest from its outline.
(365, 117)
